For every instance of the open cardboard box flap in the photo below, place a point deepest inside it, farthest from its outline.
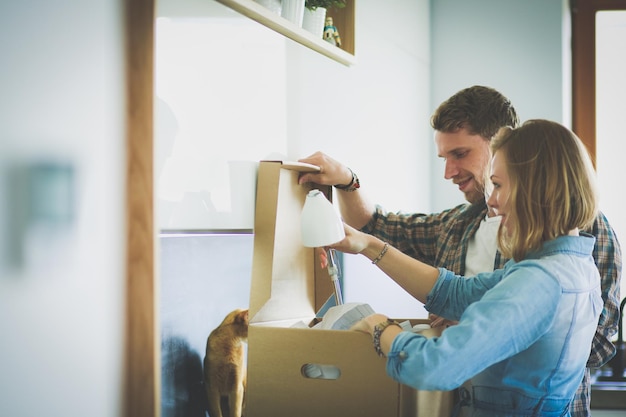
(283, 288)
(288, 285)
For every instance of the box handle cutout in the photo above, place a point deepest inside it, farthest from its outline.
(320, 371)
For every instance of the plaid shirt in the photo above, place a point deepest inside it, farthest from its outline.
(441, 240)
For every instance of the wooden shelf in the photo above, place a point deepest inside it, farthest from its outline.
(344, 19)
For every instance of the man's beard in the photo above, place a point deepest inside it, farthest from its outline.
(476, 195)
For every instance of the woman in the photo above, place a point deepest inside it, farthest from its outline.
(524, 332)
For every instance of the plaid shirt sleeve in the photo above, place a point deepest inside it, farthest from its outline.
(608, 257)
(437, 239)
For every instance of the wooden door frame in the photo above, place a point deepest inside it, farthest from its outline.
(584, 66)
(141, 391)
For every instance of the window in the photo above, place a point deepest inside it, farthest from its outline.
(599, 42)
(214, 122)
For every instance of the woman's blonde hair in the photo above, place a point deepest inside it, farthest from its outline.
(552, 181)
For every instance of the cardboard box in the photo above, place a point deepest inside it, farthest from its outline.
(288, 286)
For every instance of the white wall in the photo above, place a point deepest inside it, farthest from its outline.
(373, 116)
(61, 310)
(514, 46)
(271, 95)
(379, 127)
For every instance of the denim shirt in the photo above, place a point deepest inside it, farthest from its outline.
(524, 332)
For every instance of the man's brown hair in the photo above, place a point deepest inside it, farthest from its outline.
(481, 110)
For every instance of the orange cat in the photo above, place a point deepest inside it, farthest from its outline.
(224, 365)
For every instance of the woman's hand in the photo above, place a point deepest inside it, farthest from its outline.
(354, 242)
(436, 321)
(367, 324)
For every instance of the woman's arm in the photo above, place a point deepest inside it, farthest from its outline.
(415, 277)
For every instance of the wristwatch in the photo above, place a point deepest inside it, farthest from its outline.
(353, 186)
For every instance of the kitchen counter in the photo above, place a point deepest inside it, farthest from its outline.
(610, 396)
(606, 394)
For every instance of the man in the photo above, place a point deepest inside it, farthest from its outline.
(463, 238)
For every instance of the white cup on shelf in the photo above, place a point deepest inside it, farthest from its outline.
(293, 10)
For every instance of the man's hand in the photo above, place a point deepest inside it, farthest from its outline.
(331, 172)
(436, 321)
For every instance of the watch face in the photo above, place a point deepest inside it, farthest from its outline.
(353, 186)
(355, 181)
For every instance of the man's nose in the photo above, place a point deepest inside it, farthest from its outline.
(451, 169)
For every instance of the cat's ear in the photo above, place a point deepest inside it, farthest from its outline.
(242, 317)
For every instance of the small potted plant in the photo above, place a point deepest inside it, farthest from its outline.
(315, 14)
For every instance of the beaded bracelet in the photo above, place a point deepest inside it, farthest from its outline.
(381, 254)
(378, 331)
